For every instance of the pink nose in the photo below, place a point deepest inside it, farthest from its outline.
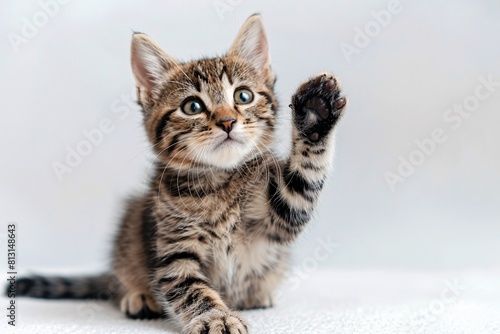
(226, 124)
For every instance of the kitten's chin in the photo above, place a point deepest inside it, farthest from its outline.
(228, 155)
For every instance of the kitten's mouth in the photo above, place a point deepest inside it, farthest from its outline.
(224, 142)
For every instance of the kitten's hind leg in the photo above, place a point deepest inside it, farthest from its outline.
(140, 305)
(257, 298)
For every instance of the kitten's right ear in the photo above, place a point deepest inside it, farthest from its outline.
(150, 65)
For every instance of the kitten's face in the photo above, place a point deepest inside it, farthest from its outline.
(217, 112)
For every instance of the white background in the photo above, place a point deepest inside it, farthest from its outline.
(74, 72)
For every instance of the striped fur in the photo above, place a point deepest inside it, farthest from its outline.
(212, 234)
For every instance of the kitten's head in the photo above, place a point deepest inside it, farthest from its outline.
(217, 112)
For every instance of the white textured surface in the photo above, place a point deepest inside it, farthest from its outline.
(363, 301)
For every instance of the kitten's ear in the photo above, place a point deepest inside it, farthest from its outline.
(251, 45)
(150, 64)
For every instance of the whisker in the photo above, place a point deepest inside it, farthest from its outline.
(161, 152)
(163, 173)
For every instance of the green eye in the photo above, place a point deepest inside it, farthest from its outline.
(243, 96)
(193, 106)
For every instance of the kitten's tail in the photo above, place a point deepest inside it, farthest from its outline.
(101, 287)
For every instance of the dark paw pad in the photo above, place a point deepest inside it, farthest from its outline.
(144, 313)
(140, 306)
(317, 106)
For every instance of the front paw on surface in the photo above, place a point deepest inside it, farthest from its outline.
(216, 322)
(318, 105)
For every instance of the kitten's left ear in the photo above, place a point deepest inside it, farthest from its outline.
(251, 45)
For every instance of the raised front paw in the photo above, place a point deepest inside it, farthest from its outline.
(216, 322)
(138, 305)
(317, 106)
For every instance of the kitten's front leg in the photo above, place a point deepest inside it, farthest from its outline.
(317, 106)
(186, 293)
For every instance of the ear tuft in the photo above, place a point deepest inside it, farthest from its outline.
(251, 45)
(150, 64)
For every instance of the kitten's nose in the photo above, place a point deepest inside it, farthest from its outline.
(226, 124)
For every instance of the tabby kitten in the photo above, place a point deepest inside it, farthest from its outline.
(212, 234)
